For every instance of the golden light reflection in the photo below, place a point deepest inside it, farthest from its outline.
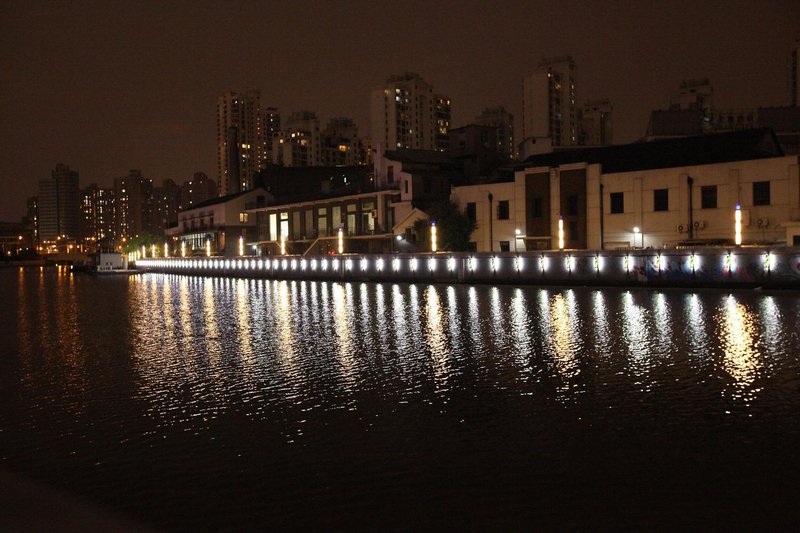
(476, 336)
(244, 322)
(211, 333)
(740, 344)
(565, 334)
(435, 337)
(663, 322)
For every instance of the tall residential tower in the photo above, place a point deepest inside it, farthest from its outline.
(240, 140)
(549, 100)
(404, 114)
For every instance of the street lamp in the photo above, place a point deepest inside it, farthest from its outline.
(517, 234)
(636, 232)
(560, 233)
(433, 237)
(241, 245)
(341, 240)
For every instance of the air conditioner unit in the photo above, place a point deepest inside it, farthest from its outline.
(681, 228)
(762, 222)
(699, 224)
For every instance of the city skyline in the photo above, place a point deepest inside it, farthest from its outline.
(108, 87)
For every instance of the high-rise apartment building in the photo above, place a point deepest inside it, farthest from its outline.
(549, 99)
(596, 123)
(240, 141)
(498, 117)
(341, 144)
(196, 190)
(794, 74)
(97, 213)
(441, 116)
(402, 114)
(299, 143)
(271, 129)
(133, 213)
(59, 215)
(32, 216)
(166, 204)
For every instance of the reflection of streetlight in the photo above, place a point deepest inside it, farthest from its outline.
(636, 232)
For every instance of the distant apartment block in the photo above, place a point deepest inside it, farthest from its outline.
(196, 190)
(404, 114)
(596, 126)
(240, 140)
(134, 205)
(299, 143)
(498, 117)
(550, 102)
(97, 214)
(58, 212)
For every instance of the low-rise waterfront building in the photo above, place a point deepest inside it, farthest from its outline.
(649, 194)
(216, 226)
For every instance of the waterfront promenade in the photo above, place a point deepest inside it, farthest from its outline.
(708, 267)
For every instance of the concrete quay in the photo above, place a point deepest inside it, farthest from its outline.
(708, 267)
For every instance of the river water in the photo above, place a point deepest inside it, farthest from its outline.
(209, 403)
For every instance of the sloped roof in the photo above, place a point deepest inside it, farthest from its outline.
(780, 119)
(421, 157)
(687, 151)
(222, 199)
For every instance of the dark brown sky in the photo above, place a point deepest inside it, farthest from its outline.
(112, 85)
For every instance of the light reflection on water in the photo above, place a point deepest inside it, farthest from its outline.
(267, 367)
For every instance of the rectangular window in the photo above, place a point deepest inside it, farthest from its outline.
(406, 186)
(505, 246)
(761, 193)
(572, 205)
(390, 174)
(661, 200)
(502, 210)
(708, 197)
(536, 208)
(472, 211)
(617, 202)
(244, 217)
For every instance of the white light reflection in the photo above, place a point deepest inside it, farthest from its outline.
(435, 338)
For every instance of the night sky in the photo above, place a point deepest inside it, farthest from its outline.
(109, 86)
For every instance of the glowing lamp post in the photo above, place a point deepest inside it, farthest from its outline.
(517, 234)
(208, 247)
(433, 237)
(737, 225)
(560, 233)
(153, 249)
(166, 249)
(636, 232)
(241, 245)
(183, 248)
(283, 244)
(341, 240)
(144, 251)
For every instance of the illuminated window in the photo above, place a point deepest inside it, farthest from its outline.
(243, 217)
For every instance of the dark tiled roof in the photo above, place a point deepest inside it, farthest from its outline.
(780, 119)
(687, 151)
(221, 199)
(424, 157)
(675, 123)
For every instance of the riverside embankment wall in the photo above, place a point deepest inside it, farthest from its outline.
(709, 267)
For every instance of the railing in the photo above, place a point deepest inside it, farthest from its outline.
(779, 268)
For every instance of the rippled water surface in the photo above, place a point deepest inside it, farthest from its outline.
(210, 403)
